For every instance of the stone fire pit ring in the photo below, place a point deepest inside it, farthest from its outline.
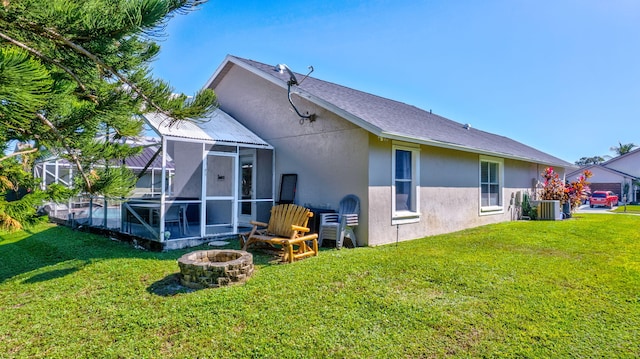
(215, 268)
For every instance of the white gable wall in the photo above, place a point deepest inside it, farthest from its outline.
(601, 175)
(629, 163)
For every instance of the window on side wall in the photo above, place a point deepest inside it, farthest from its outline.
(491, 182)
(405, 169)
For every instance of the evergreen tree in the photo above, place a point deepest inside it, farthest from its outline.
(586, 161)
(74, 78)
(622, 149)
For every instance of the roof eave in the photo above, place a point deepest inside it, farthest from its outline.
(300, 92)
(363, 123)
(218, 142)
(215, 74)
(453, 146)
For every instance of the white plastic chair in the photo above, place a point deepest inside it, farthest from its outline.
(338, 226)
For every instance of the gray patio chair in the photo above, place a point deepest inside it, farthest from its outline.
(338, 226)
(175, 216)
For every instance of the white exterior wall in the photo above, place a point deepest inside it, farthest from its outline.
(629, 163)
(603, 176)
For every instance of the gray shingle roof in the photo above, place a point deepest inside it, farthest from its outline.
(141, 160)
(393, 119)
(135, 162)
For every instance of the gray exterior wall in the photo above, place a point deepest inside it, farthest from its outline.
(333, 157)
(330, 155)
(449, 193)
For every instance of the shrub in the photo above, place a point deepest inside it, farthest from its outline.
(555, 188)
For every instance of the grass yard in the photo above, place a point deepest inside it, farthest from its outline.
(520, 289)
(630, 208)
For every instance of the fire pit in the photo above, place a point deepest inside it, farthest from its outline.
(215, 268)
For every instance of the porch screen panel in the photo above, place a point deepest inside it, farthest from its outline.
(64, 176)
(218, 217)
(263, 210)
(220, 176)
(187, 178)
(264, 174)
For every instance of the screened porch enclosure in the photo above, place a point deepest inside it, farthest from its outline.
(97, 211)
(222, 178)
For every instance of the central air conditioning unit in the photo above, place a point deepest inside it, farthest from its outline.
(549, 210)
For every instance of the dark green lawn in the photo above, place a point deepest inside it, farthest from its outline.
(520, 289)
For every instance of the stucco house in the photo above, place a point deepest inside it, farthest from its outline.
(616, 175)
(416, 173)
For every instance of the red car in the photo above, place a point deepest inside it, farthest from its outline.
(603, 198)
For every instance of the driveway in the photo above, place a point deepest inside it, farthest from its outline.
(586, 209)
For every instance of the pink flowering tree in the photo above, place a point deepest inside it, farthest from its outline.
(554, 188)
(578, 190)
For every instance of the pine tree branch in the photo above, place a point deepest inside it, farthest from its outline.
(68, 148)
(18, 153)
(46, 58)
(81, 50)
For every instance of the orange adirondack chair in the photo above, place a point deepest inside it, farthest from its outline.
(287, 230)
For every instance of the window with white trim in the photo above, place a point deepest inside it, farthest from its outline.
(405, 169)
(491, 178)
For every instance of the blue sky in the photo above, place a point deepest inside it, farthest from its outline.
(561, 76)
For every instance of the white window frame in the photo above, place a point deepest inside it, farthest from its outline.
(411, 215)
(486, 210)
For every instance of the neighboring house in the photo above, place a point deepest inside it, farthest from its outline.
(416, 173)
(147, 165)
(615, 175)
(84, 209)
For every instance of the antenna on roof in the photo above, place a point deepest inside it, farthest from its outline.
(307, 75)
(281, 68)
